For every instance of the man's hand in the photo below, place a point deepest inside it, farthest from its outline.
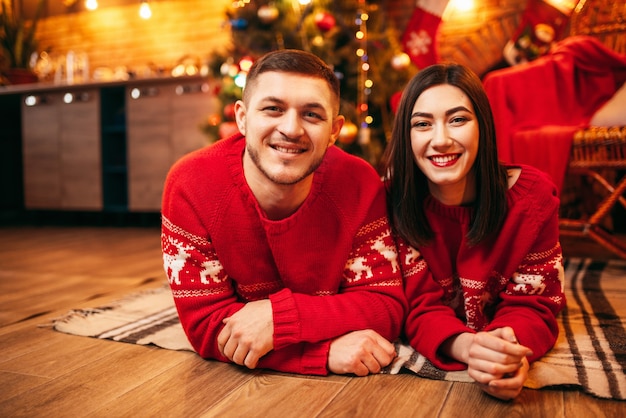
(248, 334)
(360, 352)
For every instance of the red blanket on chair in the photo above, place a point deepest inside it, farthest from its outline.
(539, 105)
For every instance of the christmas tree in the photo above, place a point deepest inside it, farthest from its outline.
(353, 37)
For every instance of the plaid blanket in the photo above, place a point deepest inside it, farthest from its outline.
(590, 353)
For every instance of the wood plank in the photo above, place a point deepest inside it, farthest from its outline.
(100, 252)
(530, 403)
(66, 354)
(17, 304)
(26, 337)
(99, 382)
(187, 390)
(403, 395)
(270, 394)
(14, 384)
(578, 404)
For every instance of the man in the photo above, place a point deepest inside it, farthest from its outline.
(275, 242)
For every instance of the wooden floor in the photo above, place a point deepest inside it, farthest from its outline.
(46, 271)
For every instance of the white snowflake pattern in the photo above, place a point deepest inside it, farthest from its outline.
(419, 43)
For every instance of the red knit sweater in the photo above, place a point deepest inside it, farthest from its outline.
(513, 279)
(328, 269)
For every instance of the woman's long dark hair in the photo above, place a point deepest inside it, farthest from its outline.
(407, 186)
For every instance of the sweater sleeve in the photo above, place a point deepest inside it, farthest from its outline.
(370, 296)
(429, 322)
(202, 293)
(534, 294)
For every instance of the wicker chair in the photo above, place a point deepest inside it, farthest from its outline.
(599, 153)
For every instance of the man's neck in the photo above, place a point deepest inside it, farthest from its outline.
(276, 200)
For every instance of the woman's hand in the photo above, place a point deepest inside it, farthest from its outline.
(495, 360)
(498, 362)
(510, 385)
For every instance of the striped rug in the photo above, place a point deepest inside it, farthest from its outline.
(590, 353)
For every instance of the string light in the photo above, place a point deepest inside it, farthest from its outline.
(365, 84)
(145, 12)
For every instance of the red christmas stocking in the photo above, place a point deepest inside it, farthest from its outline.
(419, 38)
(542, 24)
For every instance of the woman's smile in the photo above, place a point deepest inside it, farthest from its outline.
(444, 160)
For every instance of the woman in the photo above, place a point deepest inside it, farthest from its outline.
(488, 232)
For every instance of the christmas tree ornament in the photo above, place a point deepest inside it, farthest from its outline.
(268, 13)
(400, 61)
(214, 119)
(325, 21)
(227, 129)
(348, 133)
(225, 67)
(245, 63)
(318, 41)
(239, 24)
(229, 111)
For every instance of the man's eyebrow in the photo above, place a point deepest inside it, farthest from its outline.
(272, 99)
(308, 105)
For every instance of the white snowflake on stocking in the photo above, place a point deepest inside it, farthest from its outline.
(419, 43)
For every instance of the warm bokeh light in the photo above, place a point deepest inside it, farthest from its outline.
(91, 4)
(564, 6)
(246, 63)
(462, 5)
(145, 12)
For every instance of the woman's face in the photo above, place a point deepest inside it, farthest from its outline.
(444, 140)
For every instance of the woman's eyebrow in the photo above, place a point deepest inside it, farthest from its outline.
(457, 109)
(421, 114)
(448, 112)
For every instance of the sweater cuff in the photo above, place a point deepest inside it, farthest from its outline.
(287, 325)
(315, 362)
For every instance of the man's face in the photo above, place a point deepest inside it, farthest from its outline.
(289, 123)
